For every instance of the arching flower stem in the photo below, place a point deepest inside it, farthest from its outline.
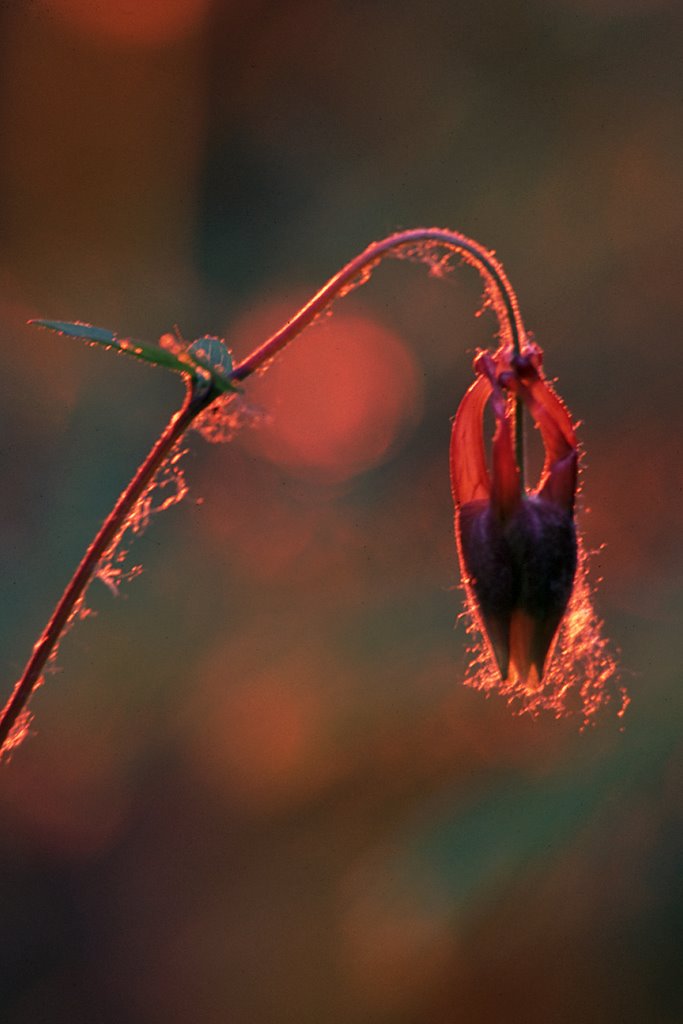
(203, 388)
(420, 242)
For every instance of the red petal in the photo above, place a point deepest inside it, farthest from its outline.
(506, 491)
(470, 479)
(558, 479)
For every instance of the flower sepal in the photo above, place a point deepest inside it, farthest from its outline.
(517, 547)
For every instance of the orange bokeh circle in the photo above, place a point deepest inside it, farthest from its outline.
(337, 399)
(132, 22)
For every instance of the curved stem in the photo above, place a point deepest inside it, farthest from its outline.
(195, 401)
(422, 241)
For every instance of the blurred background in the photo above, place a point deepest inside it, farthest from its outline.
(257, 789)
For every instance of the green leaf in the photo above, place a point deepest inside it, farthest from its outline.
(204, 356)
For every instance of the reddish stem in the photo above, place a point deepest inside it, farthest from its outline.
(193, 404)
(501, 292)
(422, 241)
(419, 239)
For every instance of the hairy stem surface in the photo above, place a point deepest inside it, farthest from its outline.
(11, 731)
(423, 244)
(422, 241)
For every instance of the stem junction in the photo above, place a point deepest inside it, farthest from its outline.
(423, 244)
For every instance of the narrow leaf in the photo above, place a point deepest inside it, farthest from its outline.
(206, 356)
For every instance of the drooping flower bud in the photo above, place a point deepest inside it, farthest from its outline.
(517, 548)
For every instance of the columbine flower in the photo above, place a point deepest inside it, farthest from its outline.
(517, 547)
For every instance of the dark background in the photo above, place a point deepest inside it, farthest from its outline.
(257, 790)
